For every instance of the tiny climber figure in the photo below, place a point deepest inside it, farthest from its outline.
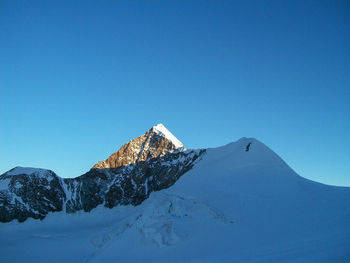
(248, 146)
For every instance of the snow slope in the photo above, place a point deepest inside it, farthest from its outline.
(26, 170)
(233, 206)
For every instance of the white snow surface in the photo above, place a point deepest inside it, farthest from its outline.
(26, 170)
(233, 206)
(164, 132)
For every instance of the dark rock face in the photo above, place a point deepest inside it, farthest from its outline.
(130, 184)
(151, 162)
(30, 195)
(248, 147)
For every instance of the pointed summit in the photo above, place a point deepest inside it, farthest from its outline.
(156, 142)
(164, 132)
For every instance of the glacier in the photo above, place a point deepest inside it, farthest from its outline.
(232, 206)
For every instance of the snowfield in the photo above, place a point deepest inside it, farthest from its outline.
(233, 206)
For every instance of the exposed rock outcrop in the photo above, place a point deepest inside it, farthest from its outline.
(153, 144)
(28, 192)
(151, 162)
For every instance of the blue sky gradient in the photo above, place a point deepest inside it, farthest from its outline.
(80, 78)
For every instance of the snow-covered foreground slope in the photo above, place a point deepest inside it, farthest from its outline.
(233, 206)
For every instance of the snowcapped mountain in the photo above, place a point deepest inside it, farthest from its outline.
(156, 142)
(236, 203)
(151, 162)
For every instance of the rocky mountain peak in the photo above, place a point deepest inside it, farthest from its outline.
(149, 163)
(164, 132)
(156, 142)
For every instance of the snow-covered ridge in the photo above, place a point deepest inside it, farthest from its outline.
(164, 132)
(240, 203)
(236, 203)
(148, 163)
(26, 170)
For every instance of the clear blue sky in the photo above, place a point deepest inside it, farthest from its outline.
(80, 78)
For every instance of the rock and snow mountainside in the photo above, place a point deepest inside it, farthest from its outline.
(151, 162)
(238, 203)
(29, 192)
(156, 142)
